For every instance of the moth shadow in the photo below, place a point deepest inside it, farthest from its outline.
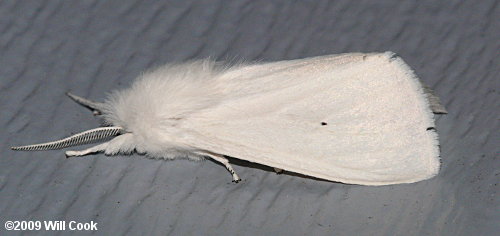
(258, 166)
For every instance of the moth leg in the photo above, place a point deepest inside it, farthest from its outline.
(225, 162)
(94, 149)
(120, 144)
(278, 170)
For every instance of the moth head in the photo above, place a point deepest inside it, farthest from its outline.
(85, 137)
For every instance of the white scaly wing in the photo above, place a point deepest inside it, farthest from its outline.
(351, 118)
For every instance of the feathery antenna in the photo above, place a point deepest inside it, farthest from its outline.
(96, 107)
(85, 137)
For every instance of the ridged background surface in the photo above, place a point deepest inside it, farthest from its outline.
(92, 47)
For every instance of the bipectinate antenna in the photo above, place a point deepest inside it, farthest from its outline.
(85, 137)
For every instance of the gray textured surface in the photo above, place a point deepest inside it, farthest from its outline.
(91, 47)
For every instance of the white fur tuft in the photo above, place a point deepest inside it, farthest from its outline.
(158, 101)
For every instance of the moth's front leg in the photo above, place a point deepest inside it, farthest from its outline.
(94, 149)
(120, 144)
(225, 162)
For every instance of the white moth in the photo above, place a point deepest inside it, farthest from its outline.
(354, 118)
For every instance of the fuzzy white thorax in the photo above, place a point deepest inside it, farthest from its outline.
(158, 102)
